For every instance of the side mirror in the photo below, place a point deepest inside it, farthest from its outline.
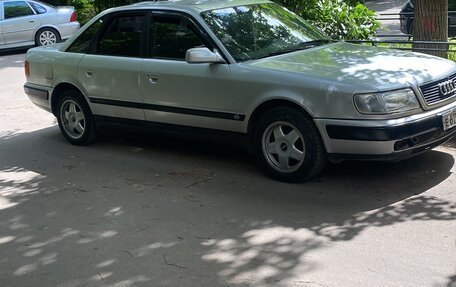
(202, 55)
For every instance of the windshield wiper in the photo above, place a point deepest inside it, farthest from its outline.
(300, 46)
(313, 43)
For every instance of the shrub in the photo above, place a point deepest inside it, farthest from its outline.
(337, 18)
(341, 19)
(84, 8)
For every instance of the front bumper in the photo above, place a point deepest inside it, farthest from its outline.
(388, 140)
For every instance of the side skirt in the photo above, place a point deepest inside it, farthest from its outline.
(176, 131)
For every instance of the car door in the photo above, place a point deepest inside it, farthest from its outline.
(110, 70)
(20, 22)
(176, 92)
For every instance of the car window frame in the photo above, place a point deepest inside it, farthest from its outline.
(92, 50)
(101, 18)
(200, 31)
(31, 3)
(26, 2)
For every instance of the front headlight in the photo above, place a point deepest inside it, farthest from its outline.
(387, 102)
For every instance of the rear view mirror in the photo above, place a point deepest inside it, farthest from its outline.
(203, 55)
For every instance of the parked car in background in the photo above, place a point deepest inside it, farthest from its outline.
(249, 71)
(29, 23)
(407, 16)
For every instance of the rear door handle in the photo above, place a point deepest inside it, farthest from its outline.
(153, 79)
(89, 74)
(32, 21)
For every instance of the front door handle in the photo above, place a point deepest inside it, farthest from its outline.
(153, 79)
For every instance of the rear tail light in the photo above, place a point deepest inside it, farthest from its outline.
(74, 17)
(27, 69)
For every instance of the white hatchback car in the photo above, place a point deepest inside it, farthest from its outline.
(28, 23)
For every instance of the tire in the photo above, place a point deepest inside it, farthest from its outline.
(47, 36)
(288, 146)
(75, 119)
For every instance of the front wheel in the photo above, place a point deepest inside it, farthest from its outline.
(288, 146)
(75, 119)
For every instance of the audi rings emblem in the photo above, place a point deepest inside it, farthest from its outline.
(447, 87)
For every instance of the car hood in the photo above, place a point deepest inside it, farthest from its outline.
(368, 67)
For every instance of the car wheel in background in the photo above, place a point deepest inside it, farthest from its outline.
(75, 119)
(288, 146)
(47, 36)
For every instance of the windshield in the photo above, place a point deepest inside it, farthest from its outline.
(261, 30)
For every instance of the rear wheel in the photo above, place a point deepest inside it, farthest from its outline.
(47, 36)
(288, 146)
(75, 119)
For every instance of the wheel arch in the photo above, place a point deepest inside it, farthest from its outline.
(47, 26)
(59, 90)
(269, 104)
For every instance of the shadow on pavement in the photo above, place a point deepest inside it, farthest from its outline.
(11, 52)
(135, 210)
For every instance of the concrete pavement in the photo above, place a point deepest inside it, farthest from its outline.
(137, 210)
(388, 27)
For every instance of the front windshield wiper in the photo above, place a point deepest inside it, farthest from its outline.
(300, 46)
(313, 43)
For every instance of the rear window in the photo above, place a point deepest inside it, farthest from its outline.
(38, 8)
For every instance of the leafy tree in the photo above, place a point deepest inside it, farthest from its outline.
(341, 19)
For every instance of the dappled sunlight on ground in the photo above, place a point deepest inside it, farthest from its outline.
(166, 214)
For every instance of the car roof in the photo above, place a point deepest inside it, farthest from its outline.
(194, 5)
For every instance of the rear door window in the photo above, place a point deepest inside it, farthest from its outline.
(14, 9)
(122, 36)
(83, 42)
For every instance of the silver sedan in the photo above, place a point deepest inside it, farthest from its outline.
(248, 71)
(28, 23)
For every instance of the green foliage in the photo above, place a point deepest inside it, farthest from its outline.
(337, 18)
(84, 8)
(341, 19)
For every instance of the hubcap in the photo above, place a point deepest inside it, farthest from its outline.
(284, 147)
(47, 38)
(73, 119)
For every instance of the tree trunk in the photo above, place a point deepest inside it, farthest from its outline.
(431, 24)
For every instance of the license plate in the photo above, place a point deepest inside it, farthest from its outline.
(449, 120)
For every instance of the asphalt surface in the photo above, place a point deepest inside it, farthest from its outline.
(138, 210)
(390, 24)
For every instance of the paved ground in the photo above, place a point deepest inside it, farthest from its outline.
(389, 27)
(134, 210)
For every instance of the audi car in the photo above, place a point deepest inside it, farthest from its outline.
(246, 71)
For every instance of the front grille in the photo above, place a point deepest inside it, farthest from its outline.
(432, 92)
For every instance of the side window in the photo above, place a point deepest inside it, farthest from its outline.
(172, 36)
(38, 8)
(82, 43)
(122, 36)
(15, 9)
